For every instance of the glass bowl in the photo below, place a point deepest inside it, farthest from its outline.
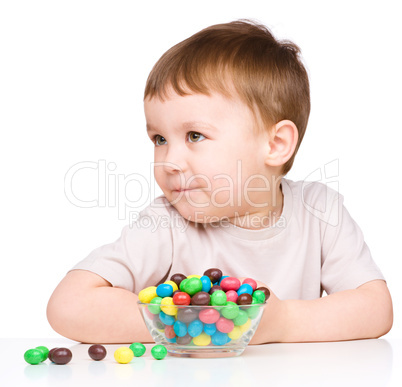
(202, 331)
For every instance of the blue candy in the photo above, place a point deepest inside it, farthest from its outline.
(220, 338)
(164, 290)
(206, 283)
(195, 328)
(171, 340)
(245, 288)
(210, 329)
(180, 328)
(166, 319)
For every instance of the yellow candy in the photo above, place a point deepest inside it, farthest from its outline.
(193, 276)
(123, 355)
(202, 339)
(246, 326)
(174, 285)
(235, 333)
(147, 294)
(168, 307)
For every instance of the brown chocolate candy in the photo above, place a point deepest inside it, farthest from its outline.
(177, 278)
(49, 356)
(97, 352)
(184, 340)
(187, 315)
(214, 274)
(200, 298)
(265, 291)
(61, 356)
(244, 299)
(214, 289)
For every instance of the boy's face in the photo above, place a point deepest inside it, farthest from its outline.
(208, 158)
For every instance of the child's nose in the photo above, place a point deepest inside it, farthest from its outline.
(174, 161)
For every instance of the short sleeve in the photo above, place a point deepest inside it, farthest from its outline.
(346, 261)
(141, 257)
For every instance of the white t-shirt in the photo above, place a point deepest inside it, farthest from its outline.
(314, 246)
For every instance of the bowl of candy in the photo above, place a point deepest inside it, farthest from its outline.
(203, 316)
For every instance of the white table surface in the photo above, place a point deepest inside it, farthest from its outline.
(352, 363)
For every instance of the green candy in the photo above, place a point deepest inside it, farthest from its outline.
(253, 311)
(159, 352)
(138, 349)
(230, 310)
(241, 318)
(218, 298)
(259, 296)
(33, 356)
(45, 352)
(183, 283)
(155, 307)
(192, 285)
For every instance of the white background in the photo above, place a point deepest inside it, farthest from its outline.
(72, 76)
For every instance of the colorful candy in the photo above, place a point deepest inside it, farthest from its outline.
(60, 355)
(178, 308)
(138, 349)
(159, 352)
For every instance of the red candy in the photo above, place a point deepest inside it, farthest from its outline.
(181, 298)
(224, 325)
(169, 332)
(209, 316)
(231, 295)
(230, 283)
(251, 282)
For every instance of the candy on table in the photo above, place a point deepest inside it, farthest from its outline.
(233, 306)
(123, 355)
(138, 349)
(97, 352)
(60, 356)
(159, 352)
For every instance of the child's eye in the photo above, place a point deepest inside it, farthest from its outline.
(195, 136)
(159, 140)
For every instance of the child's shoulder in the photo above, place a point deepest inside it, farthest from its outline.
(313, 194)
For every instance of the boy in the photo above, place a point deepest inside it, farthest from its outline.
(227, 110)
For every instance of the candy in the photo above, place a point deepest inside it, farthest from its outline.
(245, 288)
(177, 278)
(214, 289)
(181, 298)
(218, 298)
(230, 283)
(195, 328)
(244, 299)
(33, 356)
(44, 350)
(230, 310)
(200, 298)
(50, 354)
(164, 290)
(209, 316)
(202, 339)
(265, 291)
(232, 295)
(209, 329)
(213, 274)
(166, 319)
(259, 296)
(61, 356)
(97, 352)
(147, 294)
(159, 352)
(155, 308)
(180, 328)
(235, 333)
(241, 318)
(138, 349)
(187, 315)
(206, 283)
(168, 307)
(184, 340)
(224, 325)
(251, 282)
(173, 284)
(123, 355)
(169, 332)
(192, 285)
(219, 338)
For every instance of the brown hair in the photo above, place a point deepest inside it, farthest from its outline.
(268, 75)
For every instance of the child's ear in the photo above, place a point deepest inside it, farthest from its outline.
(282, 143)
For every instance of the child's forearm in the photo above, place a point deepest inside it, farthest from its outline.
(93, 313)
(360, 313)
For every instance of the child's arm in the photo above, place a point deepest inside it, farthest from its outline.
(362, 313)
(86, 308)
